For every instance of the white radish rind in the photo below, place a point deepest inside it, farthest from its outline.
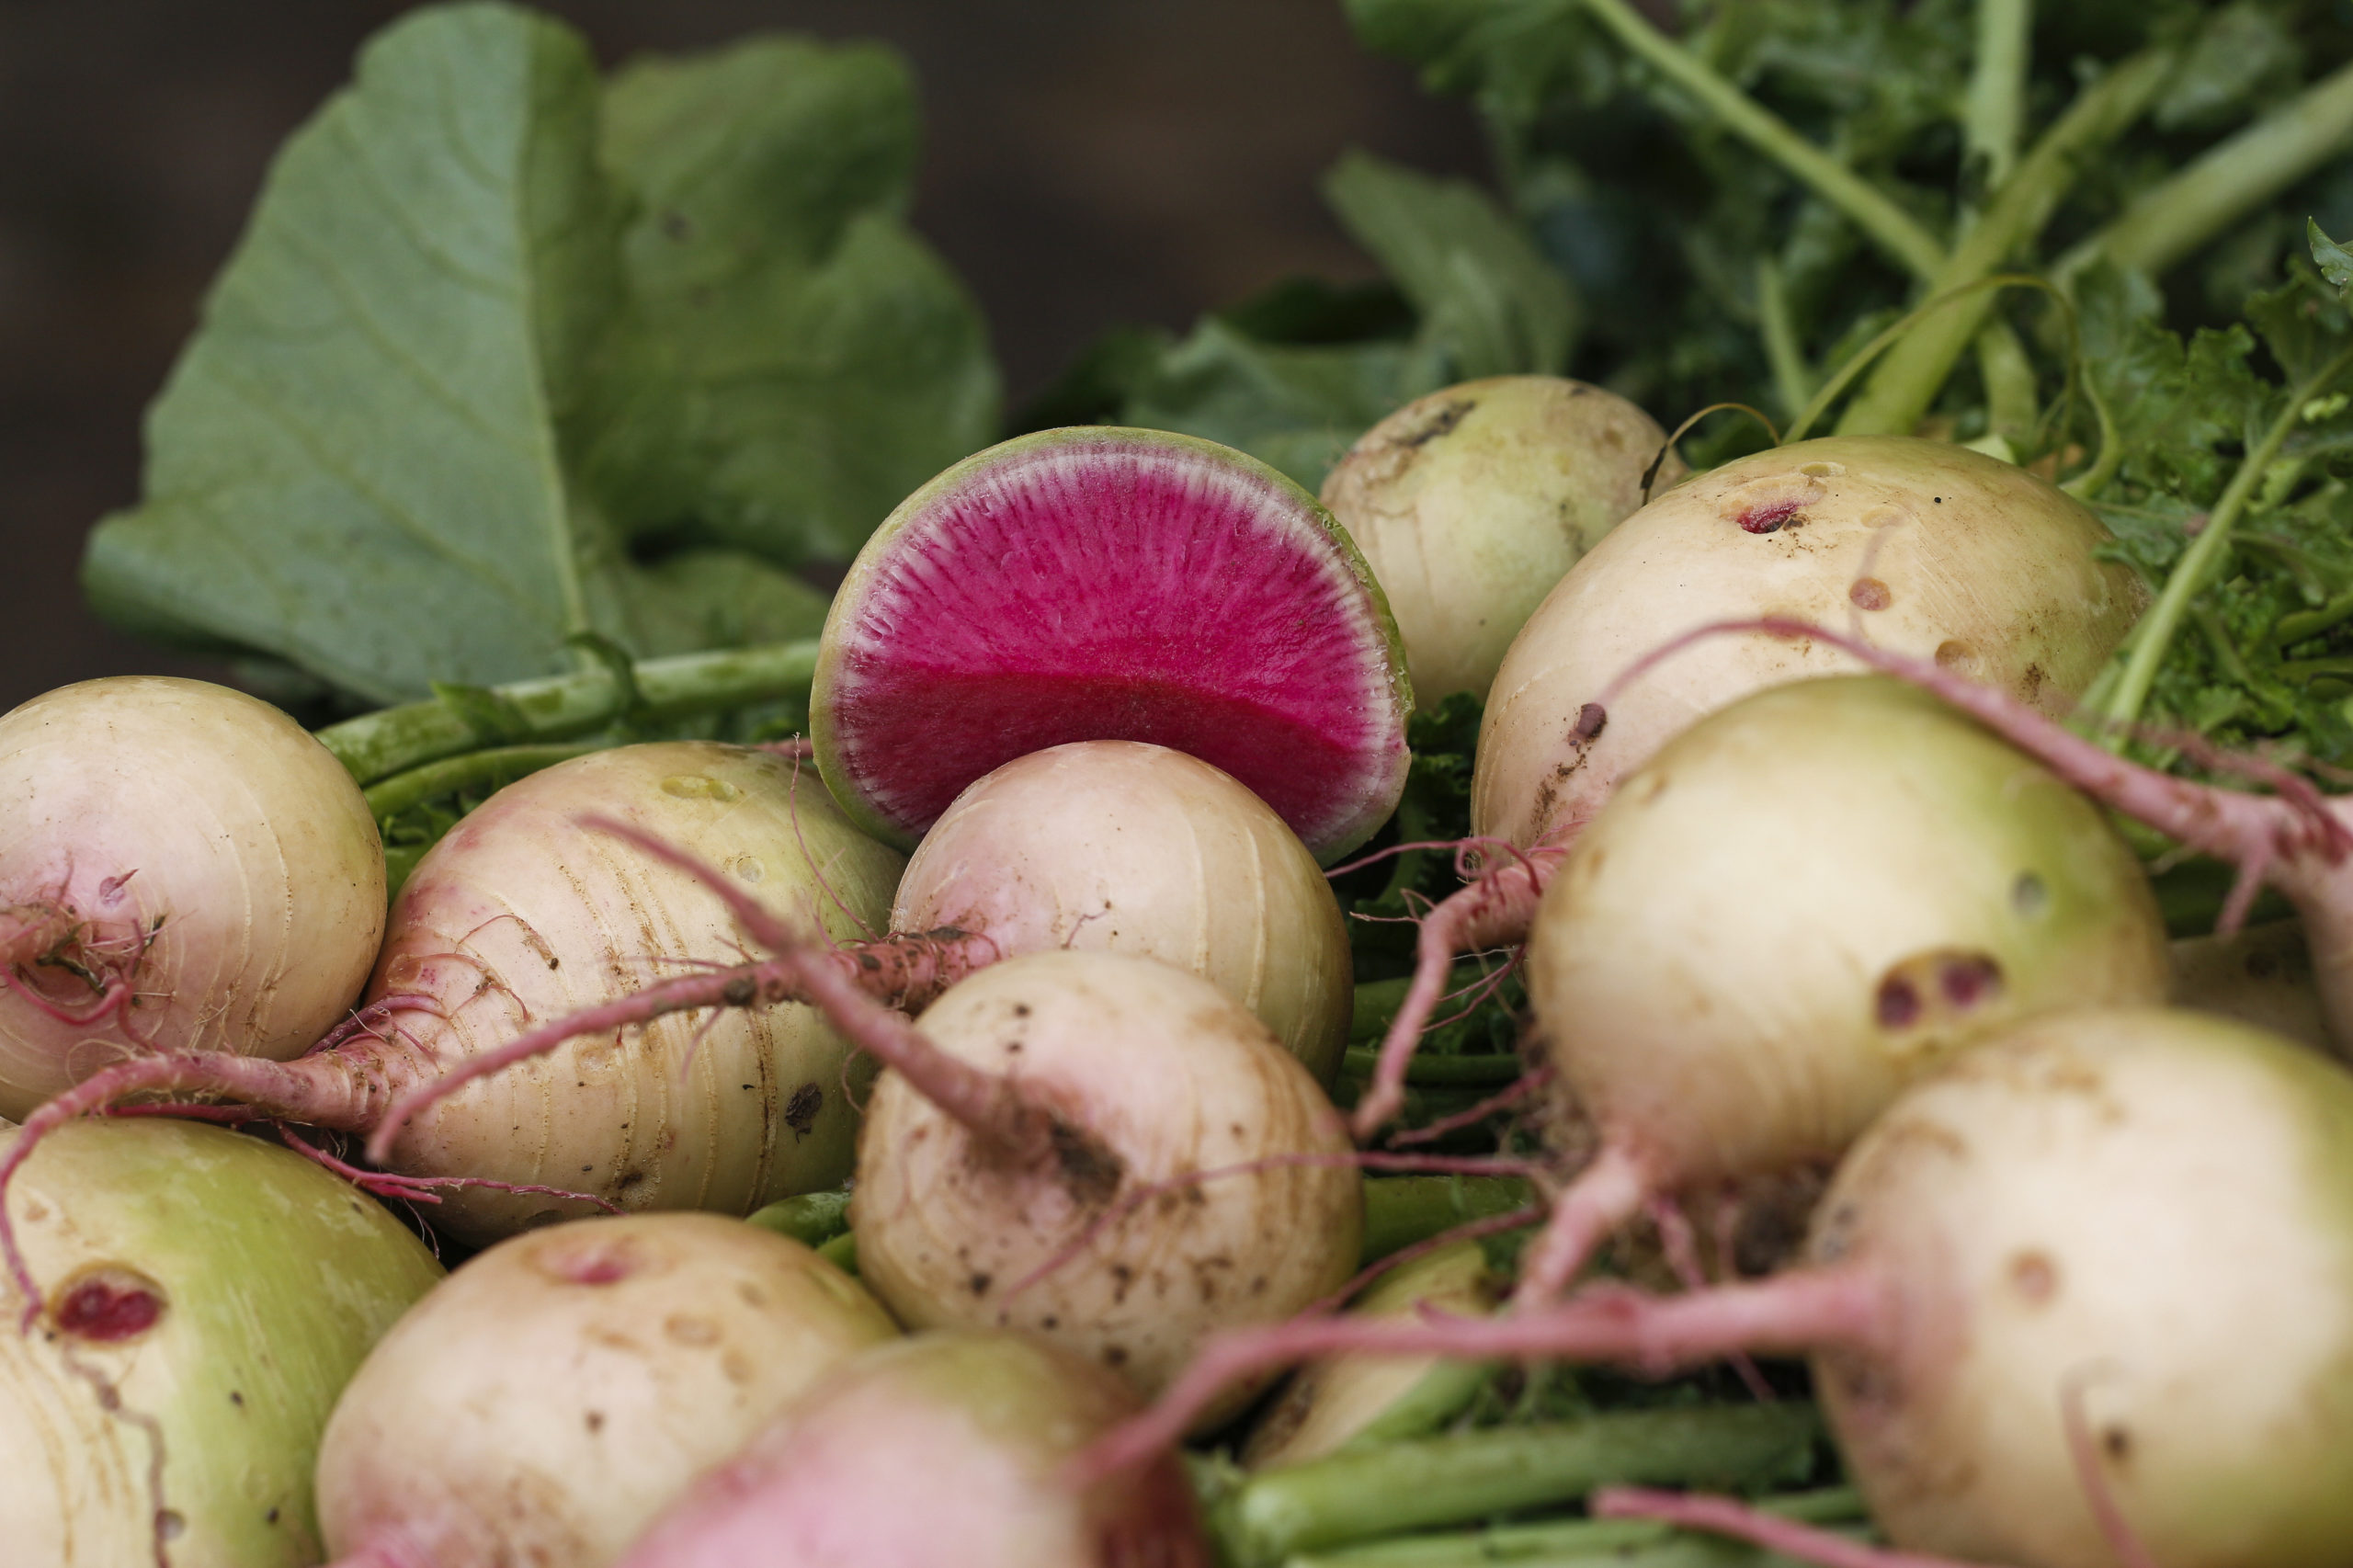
(1164, 1082)
(943, 1449)
(1804, 903)
(2262, 975)
(185, 869)
(522, 915)
(1925, 548)
(1472, 502)
(2147, 1213)
(553, 1395)
(208, 1297)
(1122, 846)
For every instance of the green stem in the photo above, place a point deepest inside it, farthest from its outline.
(1464, 1476)
(1376, 1006)
(2013, 403)
(1994, 114)
(1895, 230)
(392, 740)
(2230, 180)
(813, 1218)
(1793, 379)
(1401, 1210)
(496, 768)
(1491, 1068)
(2153, 633)
(1905, 383)
(1593, 1543)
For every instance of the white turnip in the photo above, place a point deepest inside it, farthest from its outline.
(2088, 1290)
(185, 869)
(1472, 502)
(207, 1297)
(1929, 548)
(942, 1449)
(553, 1395)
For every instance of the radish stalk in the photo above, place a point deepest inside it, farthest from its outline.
(1620, 1543)
(1880, 534)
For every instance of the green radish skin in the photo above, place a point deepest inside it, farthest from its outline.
(1801, 904)
(1472, 502)
(942, 1449)
(1352, 1401)
(1161, 1078)
(1123, 847)
(185, 869)
(556, 1392)
(2154, 1210)
(521, 916)
(208, 1296)
(1919, 547)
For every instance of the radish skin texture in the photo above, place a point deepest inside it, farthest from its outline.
(1809, 900)
(552, 1397)
(1925, 548)
(223, 1291)
(2155, 1208)
(1170, 1078)
(1472, 502)
(1122, 846)
(942, 1449)
(2262, 975)
(522, 915)
(1112, 584)
(193, 846)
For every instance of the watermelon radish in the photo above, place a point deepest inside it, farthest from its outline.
(1112, 584)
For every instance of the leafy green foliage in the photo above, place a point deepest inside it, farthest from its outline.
(508, 355)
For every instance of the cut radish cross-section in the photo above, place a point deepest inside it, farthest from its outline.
(1107, 584)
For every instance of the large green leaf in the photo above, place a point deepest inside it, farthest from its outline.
(484, 355)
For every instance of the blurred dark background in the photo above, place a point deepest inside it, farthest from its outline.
(1087, 163)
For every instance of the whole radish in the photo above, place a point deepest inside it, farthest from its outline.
(1801, 905)
(945, 1448)
(1112, 584)
(207, 1297)
(184, 870)
(553, 1395)
(1923, 548)
(1472, 502)
(1152, 1083)
(2083, 1298)
(1122, 846)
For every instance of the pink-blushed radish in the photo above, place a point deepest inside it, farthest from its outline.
(1472, 502)
(185, 869)
(2090, 1284)
(208, 1296)
(552, 1396)
(1925, 548)
(1800, 904)
(1112, 584)
(521, 915)
(1156, 1081)
(942, 1449)
(1123, 847)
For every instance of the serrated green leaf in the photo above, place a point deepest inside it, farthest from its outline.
(2335, 262)
(431, 422)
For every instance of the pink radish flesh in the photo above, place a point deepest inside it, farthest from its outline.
(1081, 585)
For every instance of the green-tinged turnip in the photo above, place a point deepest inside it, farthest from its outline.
(553, 1395)
(207, 1297)
(1472, 502)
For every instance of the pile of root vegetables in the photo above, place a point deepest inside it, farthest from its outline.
(959, 1136)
